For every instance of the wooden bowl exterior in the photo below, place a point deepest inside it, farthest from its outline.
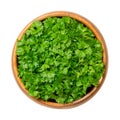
(105, 59)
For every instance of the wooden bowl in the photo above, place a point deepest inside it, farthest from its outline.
(98, 35)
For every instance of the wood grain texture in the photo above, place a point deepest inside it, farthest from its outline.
(105, 59)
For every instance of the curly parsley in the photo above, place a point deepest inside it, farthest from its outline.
(59, 59)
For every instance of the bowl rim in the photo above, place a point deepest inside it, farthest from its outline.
(98, 35)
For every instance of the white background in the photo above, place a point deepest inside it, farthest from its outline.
(14, 15)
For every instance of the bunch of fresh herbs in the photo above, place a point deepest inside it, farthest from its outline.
(59, 59)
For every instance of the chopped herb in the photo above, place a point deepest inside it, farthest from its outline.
(59, 59)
